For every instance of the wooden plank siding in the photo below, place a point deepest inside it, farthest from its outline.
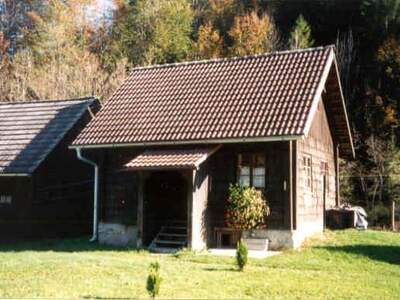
(319, 145)
(219, 171)
(223, 172)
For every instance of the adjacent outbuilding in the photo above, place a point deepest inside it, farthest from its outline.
(173, 138)
(45, 191)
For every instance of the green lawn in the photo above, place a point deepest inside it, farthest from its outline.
(346, 264)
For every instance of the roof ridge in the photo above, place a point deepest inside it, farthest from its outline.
(234, 58)
(46, 101)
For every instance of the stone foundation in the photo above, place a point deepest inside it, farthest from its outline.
(283, 239)
(117, 234)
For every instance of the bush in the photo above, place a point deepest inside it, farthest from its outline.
(379, 215)
(154, 280)
(247, 208)
(241, 254)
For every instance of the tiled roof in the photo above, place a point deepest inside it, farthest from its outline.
(29, 131)
(252, 97)
(170, 159)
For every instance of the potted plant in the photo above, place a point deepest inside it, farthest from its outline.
(246, 211)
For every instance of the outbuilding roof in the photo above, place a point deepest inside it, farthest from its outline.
(29, 131)
(255, 98)
(170, 159)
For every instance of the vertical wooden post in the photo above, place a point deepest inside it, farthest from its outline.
(139, 239)
(393, 215)
(294, 183)
(191, 189)
(291, 208)
(337, 171)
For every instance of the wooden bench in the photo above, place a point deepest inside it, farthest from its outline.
(226, 237)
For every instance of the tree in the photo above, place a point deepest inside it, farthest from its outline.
(14, 19)
(346, 60)
(300, 37)
(209, 43)
(155, 31)
(56, 61)
(251, 34)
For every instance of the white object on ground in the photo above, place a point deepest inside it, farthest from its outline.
(252, 253)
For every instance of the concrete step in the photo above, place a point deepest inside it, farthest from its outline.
(176, 235)
(170, 242)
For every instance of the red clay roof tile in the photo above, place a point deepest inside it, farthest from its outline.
(170, 159)
(249, 97)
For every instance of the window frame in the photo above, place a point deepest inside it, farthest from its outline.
(252, 166)
(307, 165)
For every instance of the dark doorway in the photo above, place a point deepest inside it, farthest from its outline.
(165, 200)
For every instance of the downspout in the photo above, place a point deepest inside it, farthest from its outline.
(95, 196)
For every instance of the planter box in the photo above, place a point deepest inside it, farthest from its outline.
(259, 244)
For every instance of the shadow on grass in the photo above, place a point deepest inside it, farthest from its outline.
(383, 253)
(221, 269)
(60, 245)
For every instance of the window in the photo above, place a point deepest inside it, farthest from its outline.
(307, 166)
(251, 170)
(5, 199)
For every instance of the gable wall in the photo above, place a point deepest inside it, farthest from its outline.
(63, 191)
(319, 144)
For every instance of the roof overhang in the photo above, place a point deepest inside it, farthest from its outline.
(170, 159)
(336, 111)
(277, 138)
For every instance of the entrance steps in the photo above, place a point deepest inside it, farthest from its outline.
(171, 237)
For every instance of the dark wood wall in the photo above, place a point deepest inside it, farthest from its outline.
(319, 145)
(223, 172)
(120, 188)
(14, 215)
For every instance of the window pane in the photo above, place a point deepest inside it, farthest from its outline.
(259, 181)
(259, 171)
(5, 199)
(244, 180)
(244, 171)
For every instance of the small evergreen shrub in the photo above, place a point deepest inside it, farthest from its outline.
(154, 280)
(241, 254)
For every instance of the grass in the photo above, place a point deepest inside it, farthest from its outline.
(345, 264)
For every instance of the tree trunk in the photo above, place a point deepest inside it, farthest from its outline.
(393, 215)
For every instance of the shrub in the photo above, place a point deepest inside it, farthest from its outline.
(154, 280)
(247, 208)
(241, 254)
(379, 215)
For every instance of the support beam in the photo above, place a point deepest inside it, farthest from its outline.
(292, 184)
(337, 171)
(140, 210)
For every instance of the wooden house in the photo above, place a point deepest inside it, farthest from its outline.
(173, 138)
(45, 191)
